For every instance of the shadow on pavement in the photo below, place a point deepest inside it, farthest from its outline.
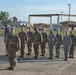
(4, 58)
(41, 59)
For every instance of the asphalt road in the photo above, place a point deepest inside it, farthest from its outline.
(41, 66)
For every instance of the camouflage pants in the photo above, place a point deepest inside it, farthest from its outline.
(12, 58)
(29, 45)
(57, 47)
(36, 49)
(22, 49)
(66, 49)
(71, 52)
(51, 47)
(43, 46)
(6, 47)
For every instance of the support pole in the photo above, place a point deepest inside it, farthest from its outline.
(58, 23)
(51, 23)
(29, 20)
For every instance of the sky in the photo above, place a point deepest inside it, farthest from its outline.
(23, 8)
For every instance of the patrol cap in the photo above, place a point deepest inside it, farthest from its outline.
(36, 28)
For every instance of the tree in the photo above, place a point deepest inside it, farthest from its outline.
(4, 16)
(14, 19)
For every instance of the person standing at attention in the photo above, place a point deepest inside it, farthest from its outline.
(29, 41)
(58, 43)
(67, 42)
(51, 43)
(23, 39)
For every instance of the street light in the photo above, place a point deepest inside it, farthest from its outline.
(61, 15)
(69, 12)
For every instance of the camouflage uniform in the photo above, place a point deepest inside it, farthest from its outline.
(29, 42)
(66, 45)
(43, 43)
(13, 47)
(5, 39)
(71, 52)
(58, 43)
(36, 43)
(23, 39)
(51, 43)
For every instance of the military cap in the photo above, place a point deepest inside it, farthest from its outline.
(36, 28)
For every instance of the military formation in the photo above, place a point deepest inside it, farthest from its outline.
(35, 39)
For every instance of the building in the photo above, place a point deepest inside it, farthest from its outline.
(70, 25)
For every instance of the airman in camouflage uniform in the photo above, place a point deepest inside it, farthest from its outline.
(23, 39)
(58, 43)
(13, 47)
(51, 43)
(67, 42)
(36, 42)
(43, 43)
(5, 39)
(71, 52)
(29, 41)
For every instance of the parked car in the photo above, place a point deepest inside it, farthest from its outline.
(40, 28)
(2, 27)
(56, 27)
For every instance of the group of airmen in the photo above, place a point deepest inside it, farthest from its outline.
(15, 42)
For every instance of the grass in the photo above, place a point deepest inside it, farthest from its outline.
(18, 29)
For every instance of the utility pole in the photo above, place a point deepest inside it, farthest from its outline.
(69, 12)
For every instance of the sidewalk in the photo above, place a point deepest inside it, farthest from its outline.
(41, 66)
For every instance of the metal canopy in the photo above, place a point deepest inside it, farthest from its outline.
(48, 15)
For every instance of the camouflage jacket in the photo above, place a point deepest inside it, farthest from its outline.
(73, 39)
(44, 37)
(23, 37)
(30, 36)
(58, 39)
(13, 42)
(36, 38)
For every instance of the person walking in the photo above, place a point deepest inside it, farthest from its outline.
(67, 42)
(13, 47)
(23, 39)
